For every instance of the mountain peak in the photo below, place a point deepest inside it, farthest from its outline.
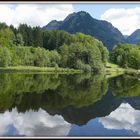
(83, 22)
(76, 14)
(82, 13)
(70, 16)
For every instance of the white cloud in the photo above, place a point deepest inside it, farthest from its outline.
(33, 123)
(124, 117)
(126, 20)
(33, 14)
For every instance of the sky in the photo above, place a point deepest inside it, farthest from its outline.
(124, 16)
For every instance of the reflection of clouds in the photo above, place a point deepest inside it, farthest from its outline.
(34, 123)
(124, 117)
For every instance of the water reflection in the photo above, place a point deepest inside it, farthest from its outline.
(81, 116)
(124, 117)
(50, 91)
(125, 86)
(61, 105)
(32, 123)
(115, 124)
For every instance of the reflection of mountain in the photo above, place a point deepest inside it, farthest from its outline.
(104, 107)
(81, 116)
(124, 117)
(134, 102)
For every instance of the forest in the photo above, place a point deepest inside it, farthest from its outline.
(34, 46)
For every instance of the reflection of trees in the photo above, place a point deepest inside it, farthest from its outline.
(50, 91)
(83, 93)
(14, 86)
(125, 86)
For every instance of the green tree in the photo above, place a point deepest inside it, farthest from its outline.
(126, 55)
(81, 56)
(38, 38)
(5, 58)
(7, 37)
(19, 39)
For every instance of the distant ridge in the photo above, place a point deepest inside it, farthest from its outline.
(83, 22)
(134, 38)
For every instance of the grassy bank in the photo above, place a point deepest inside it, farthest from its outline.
(32, 69)
(113, 70)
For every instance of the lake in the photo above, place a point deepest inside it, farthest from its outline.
(69, 105)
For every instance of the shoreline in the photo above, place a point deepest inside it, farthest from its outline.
(38, 70)
(111, 70)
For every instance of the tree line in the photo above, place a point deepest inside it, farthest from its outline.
(126, 55)
(33, 46)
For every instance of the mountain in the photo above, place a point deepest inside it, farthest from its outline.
(54, 25)
(83, 22)
(126, 36)
(134, 38)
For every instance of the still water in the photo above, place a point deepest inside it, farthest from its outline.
(69, 105)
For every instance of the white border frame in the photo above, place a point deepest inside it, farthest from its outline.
(69, 2)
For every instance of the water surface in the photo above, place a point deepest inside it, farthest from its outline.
(69, 105)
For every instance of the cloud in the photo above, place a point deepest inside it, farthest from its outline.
(126, 20)
(33, 123)
(124, 117)
(33, 14)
